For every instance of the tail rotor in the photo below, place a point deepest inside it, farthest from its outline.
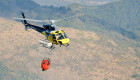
(25, 22)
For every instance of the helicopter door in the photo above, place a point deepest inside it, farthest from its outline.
(54, 38)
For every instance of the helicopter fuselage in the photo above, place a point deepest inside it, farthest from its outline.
(58, 37)
(54, 36)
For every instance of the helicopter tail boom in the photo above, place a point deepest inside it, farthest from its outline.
(25, 22)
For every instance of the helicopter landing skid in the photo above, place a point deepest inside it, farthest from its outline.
(67, 45)
(52, 47)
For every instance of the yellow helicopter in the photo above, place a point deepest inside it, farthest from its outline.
(52, 33)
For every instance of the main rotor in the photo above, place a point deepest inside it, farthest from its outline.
(48, 21)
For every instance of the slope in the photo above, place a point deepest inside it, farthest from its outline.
(13, 8)
(68, 2)
(90, 55)
(122, 16)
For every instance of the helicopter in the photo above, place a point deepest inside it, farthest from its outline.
(52, 33)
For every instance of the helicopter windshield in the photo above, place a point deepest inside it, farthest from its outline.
(65, 35)
(60, 36)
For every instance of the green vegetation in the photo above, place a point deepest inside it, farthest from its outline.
(122, 16)
(31, 8)
(3, 70)
(136, 76)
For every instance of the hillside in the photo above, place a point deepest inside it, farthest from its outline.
(11, 7)
(31, 8)
(121, 16)
(90, 55)
(68, 2)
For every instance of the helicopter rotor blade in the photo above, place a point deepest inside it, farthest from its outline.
(31, 20)
(50, 21)
(54, 21)
(65, 18)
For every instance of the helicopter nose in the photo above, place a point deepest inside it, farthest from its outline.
(66, 41)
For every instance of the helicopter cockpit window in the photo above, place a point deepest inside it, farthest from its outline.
(60, 36)
(65, 35)
(53, 36)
